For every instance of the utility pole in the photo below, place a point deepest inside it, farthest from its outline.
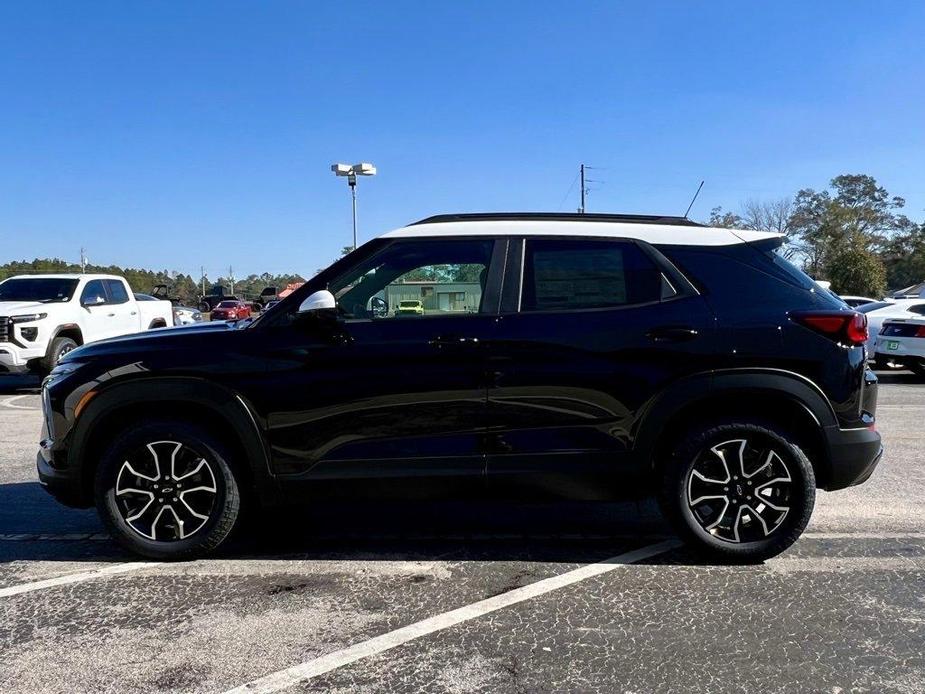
(231, 278)
(581, 210)
(83, 260)
(202, 275)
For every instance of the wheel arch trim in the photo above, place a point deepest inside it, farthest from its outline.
(687, 392)
(220, 401)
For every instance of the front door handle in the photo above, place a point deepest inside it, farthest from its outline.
(672, 333)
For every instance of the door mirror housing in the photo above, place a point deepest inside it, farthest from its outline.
(322, 300)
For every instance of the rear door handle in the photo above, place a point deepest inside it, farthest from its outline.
(672, 333)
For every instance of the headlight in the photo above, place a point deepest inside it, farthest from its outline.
(63, 370)
(28, 317)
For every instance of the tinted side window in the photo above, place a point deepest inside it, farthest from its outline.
(117, 293)
(93, 293)
(417, 278)
(917, 308)
(570, 274)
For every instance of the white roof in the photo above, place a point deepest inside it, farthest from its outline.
(66, 276)
(651, 233)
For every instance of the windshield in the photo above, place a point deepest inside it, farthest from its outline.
(43, 289)
(408, 303)
(228, 304)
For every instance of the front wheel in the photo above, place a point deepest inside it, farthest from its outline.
(738, 491)
(165, 490)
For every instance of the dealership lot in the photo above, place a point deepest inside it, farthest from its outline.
(458, 599)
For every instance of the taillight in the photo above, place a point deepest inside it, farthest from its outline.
(921, 331)
(847, 327)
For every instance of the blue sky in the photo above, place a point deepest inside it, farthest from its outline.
(175, 134)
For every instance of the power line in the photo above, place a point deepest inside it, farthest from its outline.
(568, 192)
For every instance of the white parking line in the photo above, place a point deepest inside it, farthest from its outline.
(74, 578)
(9, 403)
(283, 679)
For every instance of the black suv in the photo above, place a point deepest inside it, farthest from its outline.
(591, 356)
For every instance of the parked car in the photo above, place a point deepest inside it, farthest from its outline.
(267, 296)
(609, 356)
(409, 308)
(879, 311)
(43, 317)
(208, 302)
(901, 343)
(186, 315)
(231, 310)
(855, 301)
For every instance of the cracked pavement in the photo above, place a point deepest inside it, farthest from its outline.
(842, 611)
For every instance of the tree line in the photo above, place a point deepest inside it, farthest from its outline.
(853, 234)
(181, 286)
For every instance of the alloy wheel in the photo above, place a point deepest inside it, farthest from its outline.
(166, 491)
(739, 490)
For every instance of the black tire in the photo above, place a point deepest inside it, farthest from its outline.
(752, 536)
(916, 367)
(204, 307)
(881, 363)
(57, 349)
(224, 501)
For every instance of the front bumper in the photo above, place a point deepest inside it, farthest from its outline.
(61, 483)
(853, 456)
(15, 358)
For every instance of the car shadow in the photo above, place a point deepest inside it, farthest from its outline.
(19, 384)
(34, 527)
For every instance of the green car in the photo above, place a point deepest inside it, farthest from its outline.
(410, 308)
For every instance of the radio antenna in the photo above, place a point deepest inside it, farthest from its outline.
(694, 199)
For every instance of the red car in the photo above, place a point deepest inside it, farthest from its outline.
(231, 310)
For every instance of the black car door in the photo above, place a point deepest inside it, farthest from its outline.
(380, 393)
(591, 329)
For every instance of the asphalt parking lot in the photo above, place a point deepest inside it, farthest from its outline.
(594, 598)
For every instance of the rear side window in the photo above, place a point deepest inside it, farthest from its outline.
(917, 308)
(573, 274)
(117, 293)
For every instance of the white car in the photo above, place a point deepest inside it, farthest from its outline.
(879, 311)
(182, 315)
(901, 342)
(855, 301)
(43, 317)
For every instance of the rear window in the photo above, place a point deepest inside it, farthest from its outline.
(228, 304)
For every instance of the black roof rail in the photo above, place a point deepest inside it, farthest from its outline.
(557, 216)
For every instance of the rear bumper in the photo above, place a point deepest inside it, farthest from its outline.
(853, 456)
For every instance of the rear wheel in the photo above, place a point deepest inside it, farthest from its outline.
(917, 367)
(738, 491)
(165, 490)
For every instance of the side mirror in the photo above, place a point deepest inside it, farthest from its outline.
(321, 300)
(378, 307)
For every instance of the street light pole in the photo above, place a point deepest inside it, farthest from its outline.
(351, 172)
(352, 182)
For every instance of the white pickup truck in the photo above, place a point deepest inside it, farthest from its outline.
(43, 317)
